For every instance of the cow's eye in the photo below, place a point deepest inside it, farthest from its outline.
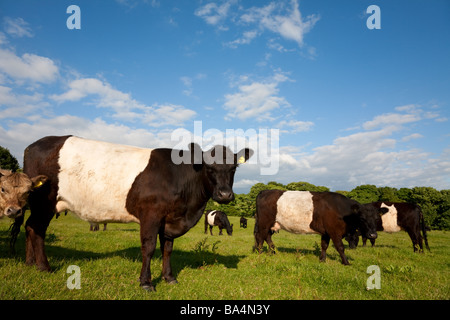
(3, 190)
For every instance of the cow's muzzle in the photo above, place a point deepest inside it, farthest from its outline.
(13, 212)
(372, 235)
(224, 196)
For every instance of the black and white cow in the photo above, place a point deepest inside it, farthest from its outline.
(243, 222)
(330, 214)
(217, 218)
(103, 182)
(400, 216)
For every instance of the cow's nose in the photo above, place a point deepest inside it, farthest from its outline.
(372, 235)
(13, 212)
(226, 195)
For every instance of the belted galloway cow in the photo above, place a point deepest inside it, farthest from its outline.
(399, 216)
(164, 190)
(219, 219)
(329, 214)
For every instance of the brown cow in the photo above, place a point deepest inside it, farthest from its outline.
(15, 188)
(330, 214)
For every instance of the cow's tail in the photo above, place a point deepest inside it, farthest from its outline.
(15, 230)
(424, 229)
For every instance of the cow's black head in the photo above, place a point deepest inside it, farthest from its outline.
(219, 166)
(368, 220)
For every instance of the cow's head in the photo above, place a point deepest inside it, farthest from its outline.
(230, 230)
(369, 219)
(14, 190)
(219, 166)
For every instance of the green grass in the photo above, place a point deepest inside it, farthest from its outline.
(222, 267)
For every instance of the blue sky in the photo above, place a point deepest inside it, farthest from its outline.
(352, 105)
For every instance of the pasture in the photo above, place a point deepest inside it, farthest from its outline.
(221, 267)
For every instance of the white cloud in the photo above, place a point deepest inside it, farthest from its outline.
(286, 22)
(19, 105)
(371, 156)
(279, 18)
(28, 67)
(295, 126)
(256, 100)
(393, 119)
(246, 38)
(214, 14)
(124, 106)
(412, 136)
(17, 27)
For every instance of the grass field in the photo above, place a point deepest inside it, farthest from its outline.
(222, 267)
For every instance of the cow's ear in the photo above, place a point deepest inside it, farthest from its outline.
(243, 155)
(38, 181)
(4, 172)
(196, 156)
(196, 153)
(383, 210)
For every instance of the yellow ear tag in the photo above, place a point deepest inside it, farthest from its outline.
(241, 159)
(38, 184)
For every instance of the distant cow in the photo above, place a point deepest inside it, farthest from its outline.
(15, 188)
(96, 226)
(330, 214)
(217, 218)
(243, 222)
(401, 216)
(164, 190)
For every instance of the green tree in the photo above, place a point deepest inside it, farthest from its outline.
(430, 200)
(365, 194)
(7, 160)
(388, 194)
(305, 186)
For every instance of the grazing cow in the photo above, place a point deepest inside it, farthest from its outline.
(400, 216)
(15, 188)
(330, 214)
(103, 182)
(217, 218)
(243, 222)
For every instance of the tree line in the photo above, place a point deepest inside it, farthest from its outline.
(435, 204)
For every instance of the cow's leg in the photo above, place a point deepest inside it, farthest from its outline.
(210, 229)
(166, 250)
(270, 243)
(149, 234)
(34, 247)
(364, 241)
(339, 245)
(325, 241)
(415, 241)
(36, 228)
(259, 242)
(206, 226)
(220, 231)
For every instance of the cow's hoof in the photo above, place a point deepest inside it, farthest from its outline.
(174, 281)
(148, 287)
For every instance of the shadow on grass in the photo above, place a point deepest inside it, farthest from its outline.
(59, 256)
